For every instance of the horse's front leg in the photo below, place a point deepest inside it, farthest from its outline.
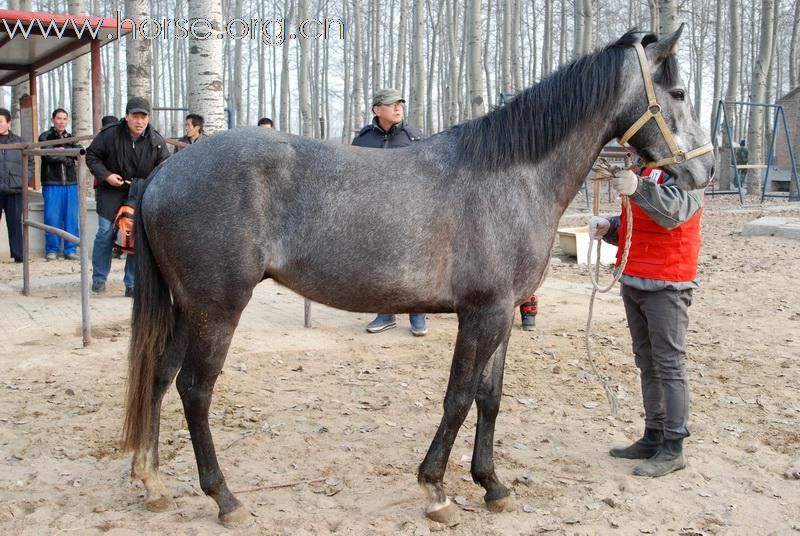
(480, 332)
(490, 391)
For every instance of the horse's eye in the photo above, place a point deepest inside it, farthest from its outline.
(678, 94)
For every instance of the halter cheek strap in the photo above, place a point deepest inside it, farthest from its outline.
(654, 112)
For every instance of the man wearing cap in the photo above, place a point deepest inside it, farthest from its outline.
(389, 131)
(121, 154)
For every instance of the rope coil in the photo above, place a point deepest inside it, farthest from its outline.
(605, 171)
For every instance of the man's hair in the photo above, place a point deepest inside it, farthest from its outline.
(58, 111)
(265, 121)
(108, 119)
(196, 119)
(5, 113)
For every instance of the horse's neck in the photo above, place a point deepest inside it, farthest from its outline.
(561, 173)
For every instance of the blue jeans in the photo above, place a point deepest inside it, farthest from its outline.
(101, 256)
(61, 212)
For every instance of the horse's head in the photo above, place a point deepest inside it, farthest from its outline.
(656, 117)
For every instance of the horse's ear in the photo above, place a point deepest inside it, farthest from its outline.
(663, 48)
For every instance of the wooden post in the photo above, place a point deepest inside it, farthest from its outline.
(97, 87)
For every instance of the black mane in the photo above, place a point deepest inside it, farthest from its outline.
(530, 125)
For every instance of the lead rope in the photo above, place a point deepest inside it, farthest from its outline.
(603, 172)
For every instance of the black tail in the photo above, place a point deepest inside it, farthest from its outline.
(152, 325)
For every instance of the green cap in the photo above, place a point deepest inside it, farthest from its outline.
(387, 96)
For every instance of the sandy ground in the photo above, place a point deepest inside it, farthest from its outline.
(320, 431)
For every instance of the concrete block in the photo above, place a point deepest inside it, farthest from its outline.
(790, 230)
(766, 226)
(574, 241)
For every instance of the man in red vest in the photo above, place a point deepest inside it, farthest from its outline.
(657, 285)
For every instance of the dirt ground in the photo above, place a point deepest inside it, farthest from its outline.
(320, 431)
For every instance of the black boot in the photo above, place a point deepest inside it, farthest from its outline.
(668, 459)
(643, 449)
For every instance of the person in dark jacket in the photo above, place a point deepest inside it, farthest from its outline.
(60, 189)
(193, 128)
(120, 155)
(389, 131)
(11, 185)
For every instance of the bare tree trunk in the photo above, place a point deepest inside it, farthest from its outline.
(377, 50)
(562, 37)
(235, 86)
(717, 64)
(577, 36)
(326, 100)
(356, 102)
(699, 14)
(735, 41)
(429, 108)
(667, 16)
(516, 33)
(81, 88)
(794, 52)
(302, 78)
(588, 26)
(204, 77)
(283, 123)
(464, 107)
(417, 90)
(137, 52)
(755, 135)
(654, 23)
(487, 33)
(475, 75)
(399, 71)
(452, 82)
(505, 78)
(547, 46)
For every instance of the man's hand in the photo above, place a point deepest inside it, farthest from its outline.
(625, 182)
(114, 180)
(598, 227)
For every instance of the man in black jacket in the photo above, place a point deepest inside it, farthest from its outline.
(121, 154)
(60, 189)
(193, 130)
(389, 131)
(11, 185)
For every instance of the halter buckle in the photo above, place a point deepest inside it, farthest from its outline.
(654, 109)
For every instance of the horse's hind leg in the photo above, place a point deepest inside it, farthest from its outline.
(209, 338)
(480, 331)
(490, 391)
(145, 462)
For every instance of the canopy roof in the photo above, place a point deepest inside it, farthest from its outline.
(35, 42)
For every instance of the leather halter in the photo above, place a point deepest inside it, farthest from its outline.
(654, 112)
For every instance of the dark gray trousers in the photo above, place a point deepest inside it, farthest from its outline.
(658, 322)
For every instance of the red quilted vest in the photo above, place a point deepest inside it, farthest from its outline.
(659, 253)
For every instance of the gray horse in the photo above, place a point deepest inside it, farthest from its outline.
(461, 222)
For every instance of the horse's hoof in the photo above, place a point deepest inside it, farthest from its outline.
(503, 504)
(235, 519)
(446, 513)
(162, 504)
